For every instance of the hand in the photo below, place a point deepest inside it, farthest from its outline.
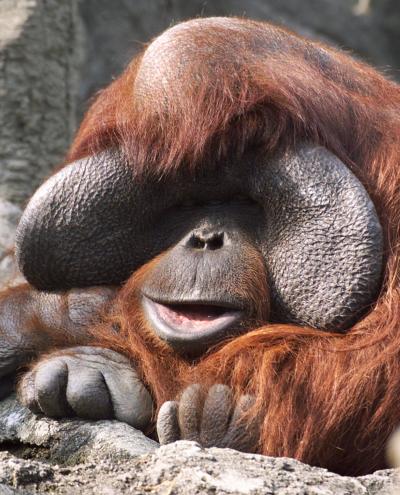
(88, 382)
(211, 420)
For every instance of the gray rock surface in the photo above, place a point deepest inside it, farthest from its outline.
(184, 468)
(39, 57)
(9, 216)
(40, 455)
(68, 442)
(40, 51)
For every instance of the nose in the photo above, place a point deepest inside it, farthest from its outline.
(206, 241)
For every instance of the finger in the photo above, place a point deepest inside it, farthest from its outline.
(26, 392)
(216, 414)
(167, 423)
(189, 413)
(131, 401)
(241, 435)
(51, 379)
(87, 393)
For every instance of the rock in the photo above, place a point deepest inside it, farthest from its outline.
(69, 441)
(185, 468)
(7, 490)
(107, 457)
(39, 58)
(9, 216)
(14, 471)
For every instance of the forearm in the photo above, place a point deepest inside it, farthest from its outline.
(33, 322)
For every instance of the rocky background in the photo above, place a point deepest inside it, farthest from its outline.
(54, 55)
(40, 55)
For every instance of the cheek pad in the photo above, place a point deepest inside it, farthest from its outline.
(91, 224)
(323, 241)
(84, 226)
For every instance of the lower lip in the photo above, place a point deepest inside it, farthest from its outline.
(181, 324)
(195, 318)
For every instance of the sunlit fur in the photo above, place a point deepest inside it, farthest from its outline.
(327, 399)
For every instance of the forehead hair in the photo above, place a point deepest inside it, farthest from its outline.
(210, 88)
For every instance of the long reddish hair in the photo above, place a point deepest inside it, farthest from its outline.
(327, 399)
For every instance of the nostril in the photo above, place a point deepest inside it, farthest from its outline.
(216, 241)
(195, 242)
(202, 241)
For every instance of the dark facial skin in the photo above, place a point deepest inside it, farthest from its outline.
(298, 223)
(287, 238)
(196, 295)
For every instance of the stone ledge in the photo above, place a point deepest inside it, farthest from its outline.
(107, 457)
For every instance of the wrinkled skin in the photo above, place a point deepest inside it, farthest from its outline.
(239, 235)
(212, 419)
(87, 382)
(303, 212)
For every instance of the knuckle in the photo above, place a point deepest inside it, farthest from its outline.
(49, 375)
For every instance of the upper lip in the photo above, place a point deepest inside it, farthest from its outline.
(223, 302)
(230, 306)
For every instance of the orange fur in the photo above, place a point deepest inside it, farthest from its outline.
(327, 399)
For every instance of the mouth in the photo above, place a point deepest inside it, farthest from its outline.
(191, 322)
(194, 318)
